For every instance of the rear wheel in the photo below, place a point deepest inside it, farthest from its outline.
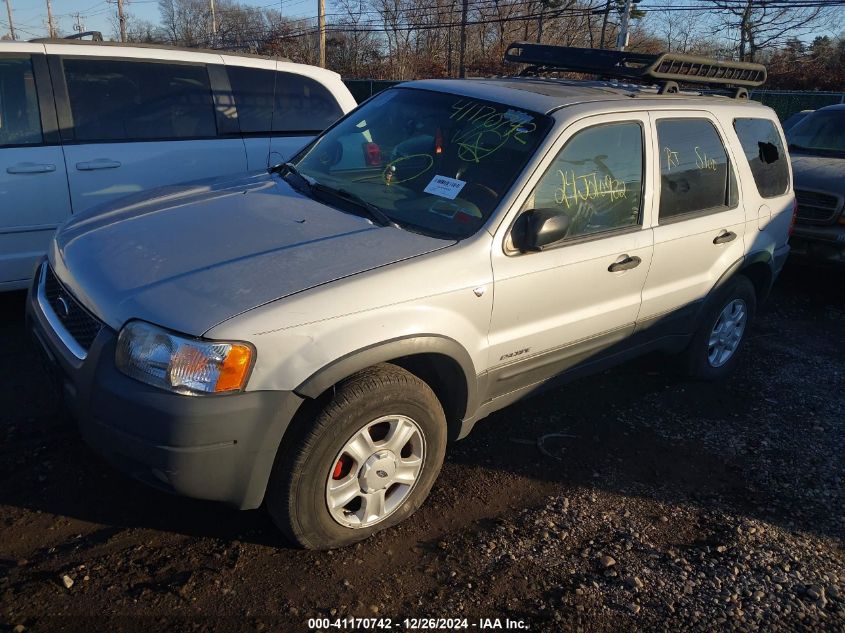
(366, 462)
(713, 352)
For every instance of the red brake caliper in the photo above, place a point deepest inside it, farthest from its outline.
(338, 469)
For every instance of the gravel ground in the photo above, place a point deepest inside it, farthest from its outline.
(633, 500)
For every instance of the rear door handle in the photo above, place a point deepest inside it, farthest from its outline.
(30, 168)
(100, 163)
(624, 263)
(724, 237)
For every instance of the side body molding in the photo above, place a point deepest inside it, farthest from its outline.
(389, 350)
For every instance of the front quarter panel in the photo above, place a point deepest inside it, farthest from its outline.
(433, 295)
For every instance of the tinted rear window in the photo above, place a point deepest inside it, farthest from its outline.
(253, 91)
(695, 174)
(114, 100)
(303, 105)
(761, 143)
(19, 116)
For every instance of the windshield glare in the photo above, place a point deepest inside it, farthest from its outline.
(821, 131)
(436, 162)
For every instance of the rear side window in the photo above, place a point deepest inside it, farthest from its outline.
(596, 179)
(761, 143)
(695, 173)
(303, 105)
(20, 122)
(253, 91)
(118, 100)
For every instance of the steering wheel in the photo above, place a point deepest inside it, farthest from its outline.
(480, 195)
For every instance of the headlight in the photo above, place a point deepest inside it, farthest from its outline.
(160, 358)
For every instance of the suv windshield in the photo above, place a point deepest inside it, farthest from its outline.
(821, 132)
(436, 163)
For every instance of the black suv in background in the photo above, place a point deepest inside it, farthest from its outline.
(817, 147)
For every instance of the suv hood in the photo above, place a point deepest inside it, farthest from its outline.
(189, 257)
(821, 173)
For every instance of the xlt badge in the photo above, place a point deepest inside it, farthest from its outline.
(518, 352)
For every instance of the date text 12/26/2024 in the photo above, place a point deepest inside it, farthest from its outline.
(417, 624)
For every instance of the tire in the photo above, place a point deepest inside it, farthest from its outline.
(704, 361)
(375, 403)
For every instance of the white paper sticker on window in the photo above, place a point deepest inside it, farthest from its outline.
(445, 187)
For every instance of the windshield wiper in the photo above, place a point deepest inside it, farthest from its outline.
(310, 186)
(306, 184)
(375, 213)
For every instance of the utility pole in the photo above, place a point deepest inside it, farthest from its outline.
(462, 69)
(604, 23)
(51, 32)
(11, 24)
(78, 26)
(121, 20)
(622, 40)
(449, 40)
(540, 22)
(321, 25)
(213, 23)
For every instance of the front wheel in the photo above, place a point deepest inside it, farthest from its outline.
(366, 462)
(713, 351)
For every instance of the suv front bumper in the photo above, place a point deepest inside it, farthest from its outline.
(822, 243)
(220, 448)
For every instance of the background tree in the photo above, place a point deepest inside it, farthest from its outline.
(759, 25)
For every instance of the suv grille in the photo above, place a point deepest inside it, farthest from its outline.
(79, 323)
(815, 207)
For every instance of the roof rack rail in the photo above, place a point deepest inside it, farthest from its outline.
(663, 68)
(96, 36)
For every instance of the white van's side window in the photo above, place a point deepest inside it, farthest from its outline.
(130, 100)
(253, 92)
(281, 102)
(19, 115)
(303, 105)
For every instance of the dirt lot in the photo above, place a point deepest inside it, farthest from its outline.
(661, 504)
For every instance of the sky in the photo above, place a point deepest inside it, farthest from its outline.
(30, 16)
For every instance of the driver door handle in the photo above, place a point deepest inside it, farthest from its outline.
(100, 163)
(624, 263)
(30, 168)
(724, 237)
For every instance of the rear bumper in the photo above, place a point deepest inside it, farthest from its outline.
(821, 243)
(220, 448)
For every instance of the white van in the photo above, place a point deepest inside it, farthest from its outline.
(82, 123)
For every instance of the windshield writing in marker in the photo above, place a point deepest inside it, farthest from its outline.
(489, 130)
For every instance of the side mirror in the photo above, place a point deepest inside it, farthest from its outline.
(537, 229)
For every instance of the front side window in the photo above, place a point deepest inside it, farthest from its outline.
(762, 147)
(695, 174)
(596, 179)
(303, 105)
(20, 122)
(435, 162)
(117, 100)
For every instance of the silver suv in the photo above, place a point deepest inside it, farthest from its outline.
(312, 338)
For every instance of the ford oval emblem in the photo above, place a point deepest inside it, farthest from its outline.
(62, 307)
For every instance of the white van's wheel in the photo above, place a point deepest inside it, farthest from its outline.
(366, 462)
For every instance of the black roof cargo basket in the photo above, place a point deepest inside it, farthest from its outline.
(663, 68)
